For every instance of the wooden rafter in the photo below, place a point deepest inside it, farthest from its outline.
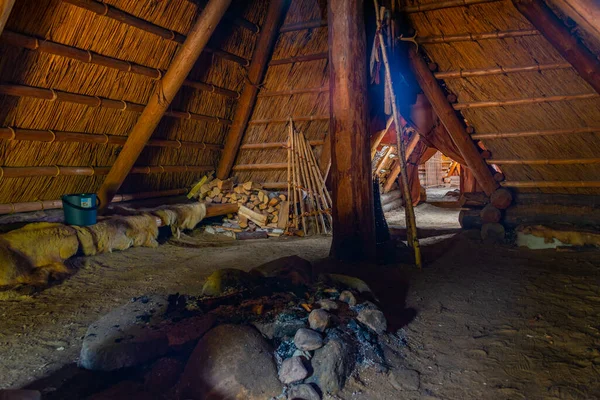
(439, 5)
(548, 161)
(163, 96)
(508, 135)
(317, 23)
(256, 72)
(450, 120)
(275, 145)
(552, 28)
(472, 37)
(291, 60)
(519, 102)
(468, 73)
(291, 92)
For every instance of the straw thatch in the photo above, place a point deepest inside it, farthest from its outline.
(510, 52)
(59, 22)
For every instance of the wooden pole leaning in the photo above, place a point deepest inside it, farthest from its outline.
(163, 96)
(411, 223)
(314, 188)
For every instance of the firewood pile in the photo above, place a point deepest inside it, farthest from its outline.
(261, 211)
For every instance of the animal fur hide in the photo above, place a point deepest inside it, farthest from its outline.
(181, 216)
(36, 252)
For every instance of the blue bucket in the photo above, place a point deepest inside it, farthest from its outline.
(80, 209)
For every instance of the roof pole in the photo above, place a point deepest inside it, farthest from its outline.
(163, 96)
(6, 7)
(256, 72)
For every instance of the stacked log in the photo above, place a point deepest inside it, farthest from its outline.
(258, 208)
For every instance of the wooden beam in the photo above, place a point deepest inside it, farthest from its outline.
(109, 11)
(49, 47)
(585, 13)
(307, 118)
(6, 7)
(292, 60)
(256, 73)
(160, 101)
(508, 135)
(95, 101)
(259, 167)
(450, 120)
(273, 145)
(50, 136)
(397, 166)
(556, 161)
(468, 73)
(551, 184)
(552, 28)
(439, 5)
(352, 207)
(292, 92)
(473, 37)
(520, 102)
(378, 136)
(55, 170)
(298, 26)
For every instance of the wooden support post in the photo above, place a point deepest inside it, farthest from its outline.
(450, 120)
(6, 7)
(353, 213)
(161, 99)
(256, 72)
(551, 27)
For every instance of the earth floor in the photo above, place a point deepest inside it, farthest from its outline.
(478, 322)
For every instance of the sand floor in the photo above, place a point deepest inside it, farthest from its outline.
(490, 322)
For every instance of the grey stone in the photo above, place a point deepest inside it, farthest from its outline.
(332, 365)
(347, 297)
(405, 379)
(319, 320)
(293, 269)
(374, 319)
(328, 305)
(287, 324)
(292, 370)
(127, 336)
(231, 362)
(303, 392)
(308, 340)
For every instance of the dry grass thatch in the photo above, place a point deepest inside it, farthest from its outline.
(521, 51)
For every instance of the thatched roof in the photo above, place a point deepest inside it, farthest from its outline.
(58, 22)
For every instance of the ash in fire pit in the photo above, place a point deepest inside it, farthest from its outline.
(277, 332)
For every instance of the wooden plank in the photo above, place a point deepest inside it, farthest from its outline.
(256, 72)
(257, 218)
(284, 214)
(163, 96)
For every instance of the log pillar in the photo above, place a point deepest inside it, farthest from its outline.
(163, 96)
(5, 9)
(353, 214)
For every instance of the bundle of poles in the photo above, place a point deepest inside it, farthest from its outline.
(411, 223)
(307, 192)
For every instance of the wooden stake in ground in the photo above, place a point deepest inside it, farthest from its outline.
(312, 183)
(297, 180)
(411, 224)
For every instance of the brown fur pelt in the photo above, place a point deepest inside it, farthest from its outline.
(565, 235)
(181, 216)
(118, 233)
(36, 252)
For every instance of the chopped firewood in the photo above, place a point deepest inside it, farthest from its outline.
(277, 207)
(217, 198)
(204, 189)
(225, 185)
(253, 197)
(243, 221)
(307, 307)
(233, 196)
(282, 197)
(275, 219)
(239, 189)
(224, 200)
(284, 214)
(208, 200)
(259, 219)
(256, 202)
(215, 192)
(244, 198)
(270, 209)
(263, 196)
(262, 206)
(252, 186)
(212, 183)
(274, 201)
